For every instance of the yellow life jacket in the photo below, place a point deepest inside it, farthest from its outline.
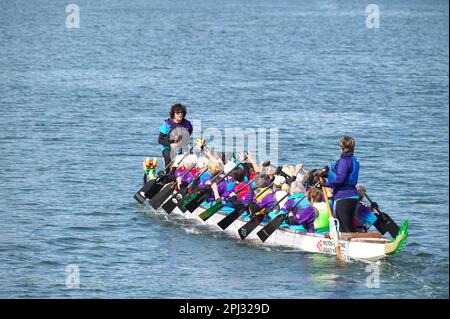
(260, 196)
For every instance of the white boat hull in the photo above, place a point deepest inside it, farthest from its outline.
(358, 246)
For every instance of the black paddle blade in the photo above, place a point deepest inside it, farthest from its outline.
(149, 189)
(231, 217)
(182, 208)
(160, 198)
(185, 200)
(245, 230)
(147, 186)
(153, 190)
(170, 205)
(140, 194)
(268, 230)
(139, 197)
(385, 223)
(198, 200)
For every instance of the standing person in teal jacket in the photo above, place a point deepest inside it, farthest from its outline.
(342, 178)
(172, 133)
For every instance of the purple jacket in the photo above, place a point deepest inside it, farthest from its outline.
(180, 172)
(343, 170)
(303, 212)
(266, 202)
(244, 200)
(305, 217)
(221, 188)
(292, 201)
(364, 211)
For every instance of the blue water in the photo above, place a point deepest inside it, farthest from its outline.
(80, 110)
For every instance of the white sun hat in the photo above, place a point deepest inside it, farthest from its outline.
(229, 166)
(279, 180)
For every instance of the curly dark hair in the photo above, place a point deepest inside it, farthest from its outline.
(177, 107)
(238, 175)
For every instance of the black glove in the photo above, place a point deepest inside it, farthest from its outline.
(170, 178)
(374, 205)
(286, 218)
(324, 172)
(235, 203)
(266, 164)
(290, 180)
(310, 177)
(279, 169)
(184, 184)
(253, 208)
(161, 173)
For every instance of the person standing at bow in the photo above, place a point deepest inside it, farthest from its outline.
(342, 178)
(175, 132)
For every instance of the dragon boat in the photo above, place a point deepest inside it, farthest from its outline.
(358, 246)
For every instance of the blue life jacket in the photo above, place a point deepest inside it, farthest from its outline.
(230, 185)
(352, 178)
(204, 177)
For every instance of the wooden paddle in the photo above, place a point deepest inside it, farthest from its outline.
(333, 231)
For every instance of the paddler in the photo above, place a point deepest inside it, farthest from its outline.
(174, 133)
(263, 197)
(240, 192)
(342, 178)
(299, 213)
(365, 216)
(321, 221)
(184, 179)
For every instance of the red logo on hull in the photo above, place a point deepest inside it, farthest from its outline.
(319, 245)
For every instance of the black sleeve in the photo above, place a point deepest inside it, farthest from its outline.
(163, 140)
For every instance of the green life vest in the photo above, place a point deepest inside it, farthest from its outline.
(321, 222)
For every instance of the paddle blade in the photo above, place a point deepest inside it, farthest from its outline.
(182, 204)
(188, 198)
(270, 228)
(140, 198)
(245, 230)
(153, 190)
(149, 189)
(230, 218)
(211, 210)
(170, 205)
(182, 208)
(385, 223)
(147, 186)
(197, 201)
(160, 198)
